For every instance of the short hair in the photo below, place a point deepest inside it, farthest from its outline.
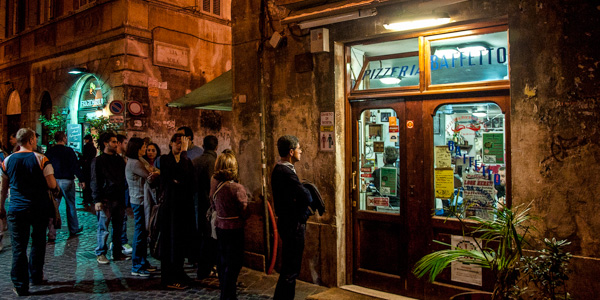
(156, 147)
(286, 143)
(24, 135)
(88, 137)
(187, 132)
(105, 138)
(174, 139)
(226, 167)
(59, 136)
(121, 138)
(133, 147)
(390, 155)
(210, 142)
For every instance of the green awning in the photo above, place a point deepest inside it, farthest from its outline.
(214, 95)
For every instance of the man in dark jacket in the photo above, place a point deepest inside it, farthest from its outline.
(108, 191)
(205, 167)
(66, 167)
(89, 153)
(291, 205)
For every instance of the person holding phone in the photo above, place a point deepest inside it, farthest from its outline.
(177, 212)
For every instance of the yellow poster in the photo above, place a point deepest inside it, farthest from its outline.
(443, 157)
(444, 183)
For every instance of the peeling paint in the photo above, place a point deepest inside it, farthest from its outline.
(530, 92)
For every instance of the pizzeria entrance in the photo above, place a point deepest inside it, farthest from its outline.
(425, 129)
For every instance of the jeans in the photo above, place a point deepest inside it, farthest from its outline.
(112, 211)
(292, 247)
(68, 188)
(21, 224)
(140, 239)
(231, 258)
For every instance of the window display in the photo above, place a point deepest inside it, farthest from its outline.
(469, 159)
(379, 163)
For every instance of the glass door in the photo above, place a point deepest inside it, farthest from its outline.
(379, 196)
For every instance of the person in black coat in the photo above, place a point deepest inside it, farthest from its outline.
(89, 153)
(292, 203)
(177, 212)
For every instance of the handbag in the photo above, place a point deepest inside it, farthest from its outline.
(54, 196)
(211, 213)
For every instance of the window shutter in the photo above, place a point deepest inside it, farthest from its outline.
(217, 7)
(206, 5)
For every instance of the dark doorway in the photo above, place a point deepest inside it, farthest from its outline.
(46, 111)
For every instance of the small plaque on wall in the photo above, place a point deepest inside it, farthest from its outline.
(171, 56)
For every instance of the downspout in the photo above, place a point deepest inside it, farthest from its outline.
(262, 103)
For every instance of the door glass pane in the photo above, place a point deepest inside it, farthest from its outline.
(379, 161)
(469, 159)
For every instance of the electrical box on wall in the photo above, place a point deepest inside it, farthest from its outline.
(319, 40)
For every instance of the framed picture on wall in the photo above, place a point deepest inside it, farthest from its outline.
(385, 116)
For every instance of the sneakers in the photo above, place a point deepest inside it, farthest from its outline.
(151, 268)
(101, 259)
(20, 292)
(126, 248)
(121, 257)
(141, 273)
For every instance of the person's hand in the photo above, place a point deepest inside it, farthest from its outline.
(98, 206)
(185, 143)
(82, 185)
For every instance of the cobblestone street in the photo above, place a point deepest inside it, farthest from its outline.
(73, 273)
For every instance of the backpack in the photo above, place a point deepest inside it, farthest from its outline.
(154, 236)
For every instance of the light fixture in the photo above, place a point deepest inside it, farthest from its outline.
(446, 52)
(418, 22)
(76, 71)
(389, 80)
(474, 50)
(480, 112)
(353, 15)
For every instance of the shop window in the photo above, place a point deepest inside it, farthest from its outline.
(379, 164)
(471, 58)
(386, 65)
(469, 159)
(91, 100)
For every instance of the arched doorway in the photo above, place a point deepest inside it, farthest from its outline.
(46, 111)
(13, 113)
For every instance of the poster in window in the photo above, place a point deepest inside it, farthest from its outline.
(444, 183)
(493, 147)
(443, 157)
(460, 272)
(388, 179)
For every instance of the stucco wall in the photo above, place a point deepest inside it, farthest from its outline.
(555, 122)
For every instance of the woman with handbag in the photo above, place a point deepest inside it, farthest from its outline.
(229, 200)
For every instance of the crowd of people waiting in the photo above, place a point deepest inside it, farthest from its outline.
(169, 195)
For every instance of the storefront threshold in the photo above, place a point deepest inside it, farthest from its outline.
(374, 293)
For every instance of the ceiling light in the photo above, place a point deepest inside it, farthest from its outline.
(480, 114)
(446, 52)
(353, 15)
(473, 50)
(390, 80)
(76, 71)
(418, 22)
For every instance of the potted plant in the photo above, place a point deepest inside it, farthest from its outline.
(499, 242)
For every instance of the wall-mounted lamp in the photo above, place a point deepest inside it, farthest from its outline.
(416, 22)
(353, 15)
(77, 71)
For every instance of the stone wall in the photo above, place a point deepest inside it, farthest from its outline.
(555, 126)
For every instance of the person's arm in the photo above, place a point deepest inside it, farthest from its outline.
(96, 184)
(3, 195)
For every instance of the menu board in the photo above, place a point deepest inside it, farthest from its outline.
(389, 177)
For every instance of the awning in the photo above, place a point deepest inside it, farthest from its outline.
(330, 9)
(214, 95)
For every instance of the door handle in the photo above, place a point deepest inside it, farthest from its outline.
(354, 181)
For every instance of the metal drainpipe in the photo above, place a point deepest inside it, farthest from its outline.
(262, 103)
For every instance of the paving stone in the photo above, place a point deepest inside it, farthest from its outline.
(73, 273)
